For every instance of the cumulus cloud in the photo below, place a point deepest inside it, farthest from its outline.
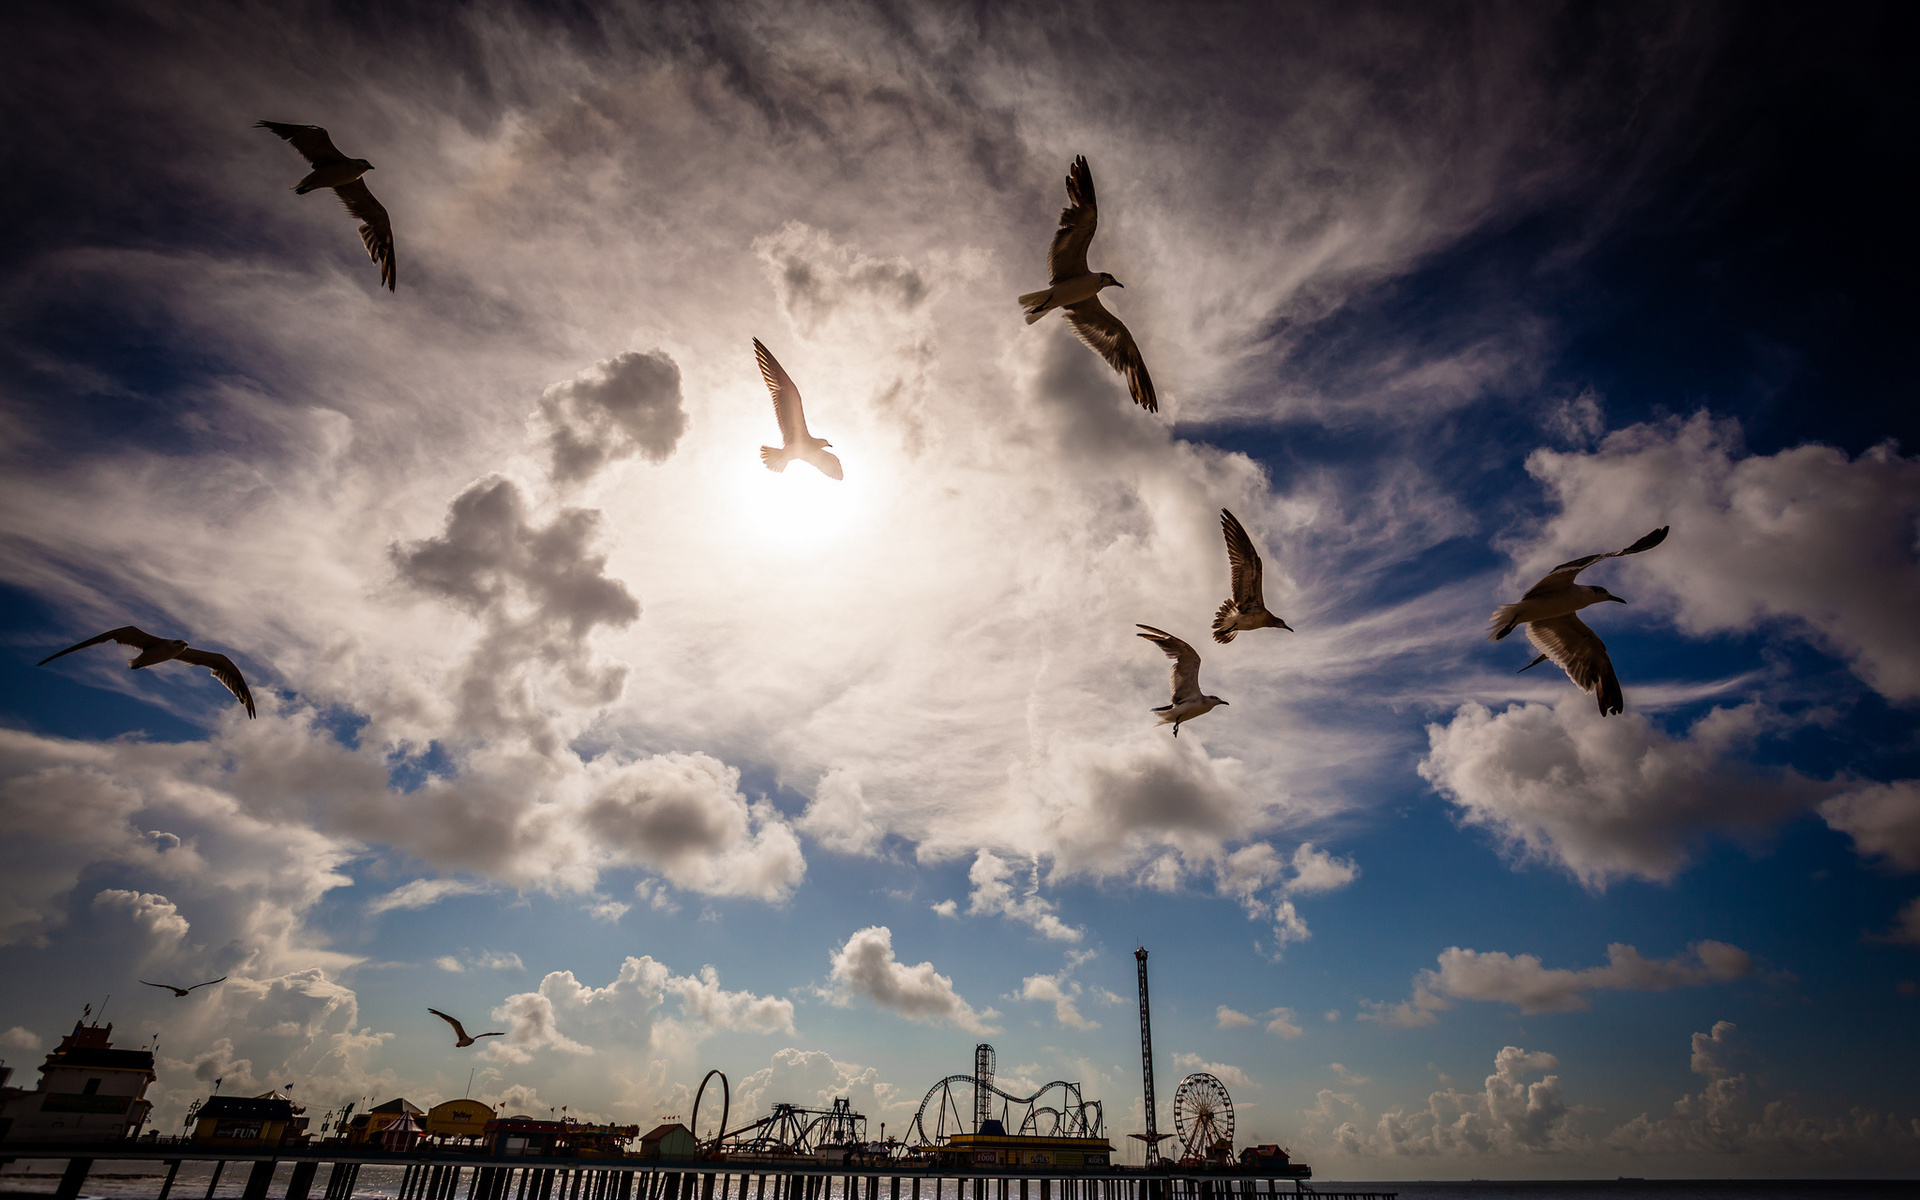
(683, 816)
(1226, 1073)
(420, 893)
(1521, 980)
(570, 1017)
(1347, 1077)
(839, 816)
(1805, 537)
(22, 1039)
(815, 1079)
(1608, 797)
(154, 913)
(993, 894)
(1283, 1022)
(1508, 1116)
(1733, 1114)
(628, 404)
(1883, 819)
(1227, 1018)
(1060, 992)
(865, 967)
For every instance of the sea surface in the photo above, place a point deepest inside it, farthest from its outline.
(141, 1181)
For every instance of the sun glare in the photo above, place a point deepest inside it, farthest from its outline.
(799, 508)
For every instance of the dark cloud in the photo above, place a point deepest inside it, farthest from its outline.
(629, 404)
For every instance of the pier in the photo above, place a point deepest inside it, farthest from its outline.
(455, 1176)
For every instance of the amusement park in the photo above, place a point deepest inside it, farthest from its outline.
(970, 1138)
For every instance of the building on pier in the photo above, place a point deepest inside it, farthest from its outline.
(993, 1147)
(366, 1128)
(249, 1122)
(459, 1120)
(88, 1092)
(670, 1142)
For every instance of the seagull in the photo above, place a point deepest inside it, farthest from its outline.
(796, 442)
(158, 650)
(460, 1031)
(1548, 611)
(1188, 703)
(1072, 287)
(182, 991)
(1248, 607)
(332, 169)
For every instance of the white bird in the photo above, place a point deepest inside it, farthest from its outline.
(332, 169)
(1548, 611)
(158, 650)
(795, 441)
(1247, 609)
(1074, 288)
(461, 1040)
(1188, 702)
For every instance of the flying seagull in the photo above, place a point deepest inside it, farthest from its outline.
(1548, 611)
(1248, 607)
(182, 991)
(795, 441)
(332, 169)
(460, 1031)
(1188, 703)
(158, 650)
(1072, 287)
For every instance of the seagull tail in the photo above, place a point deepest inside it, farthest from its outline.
(1505, 618)
(776, 460)
(1227, 612)
(1036, 304)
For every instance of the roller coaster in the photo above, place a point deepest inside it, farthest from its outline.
(1069, 1115)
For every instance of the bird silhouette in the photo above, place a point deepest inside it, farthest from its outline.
(1547, 610)
(795, 441)
(158, 650)
(182, 991)
(1188, 702)
(461, 1040)
(332, 169)
(1247, 607)
(1076, 289)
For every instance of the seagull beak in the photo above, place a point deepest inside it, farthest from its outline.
(1118, 284)
(1286, 627)
(1621, 599)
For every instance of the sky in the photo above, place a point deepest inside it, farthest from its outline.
(579, 724)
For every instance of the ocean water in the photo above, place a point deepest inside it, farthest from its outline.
(141, 1181)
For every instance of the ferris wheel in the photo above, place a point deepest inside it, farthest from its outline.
(1203, 1117)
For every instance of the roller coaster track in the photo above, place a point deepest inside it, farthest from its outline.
(1073, 1117)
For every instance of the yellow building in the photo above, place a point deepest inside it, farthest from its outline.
(1008, 1150)
(248, 1121)
(457, 1119)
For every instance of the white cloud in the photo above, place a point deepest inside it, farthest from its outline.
(946, 908)
(1413, 1013)
(1608, 797)
(815, 1079)
(447, 962)
(1349, 1078)
(1521, 980)
(993, 893)
(1332, 1014)
(1283, 1022)
(1882, 818)
(1508, 1116)
(865, 967)
(154, 913)
(1227, 1018)
(839, 816)
(1806, 537)
(1316, 870)
(683, 816)
(1060, 992)
(1226, 1073)
(23, 1039)
(420, 893)
(565, 1015)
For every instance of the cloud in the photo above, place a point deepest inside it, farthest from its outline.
(993, 893)
(1284, 1023)
(22, 1039)
(154, 913)
(421, 893)
(702, 999)
(1733, 1114)
(570, 1017)
(683, 816)
(489, 960)
(1060, 992)
(815, 1079)
(1347, 1077)
(865, 967)
(1227, 1018)
(813, 277)
(1522, 981)
(839, 816)
(1608, 797)
(1226, 1073)
(1882, 818)
(625, 405)
(447, 962)
(1807, 537)
(1508, 1116)
(1416, 1012)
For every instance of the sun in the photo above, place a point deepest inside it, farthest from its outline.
(800, 509)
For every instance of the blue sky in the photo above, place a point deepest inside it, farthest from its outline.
(662, 762)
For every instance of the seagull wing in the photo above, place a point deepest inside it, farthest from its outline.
(1067, 257)
(1563, 575)
(223, 670)
(459, 1030)
(1109, 338)
(169, 987)
(1579, 652)
(126, 635)
(376, 230)
(786, 396)
(1248, 593)
(495, 1033)
(208, 983)
(1186, 663)
(310, 140)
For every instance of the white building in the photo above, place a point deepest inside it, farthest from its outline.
(89, 1092)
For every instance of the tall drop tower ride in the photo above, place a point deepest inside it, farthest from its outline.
(1152, 1137)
